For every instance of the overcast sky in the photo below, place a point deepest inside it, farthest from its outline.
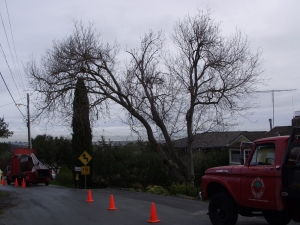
(270, 25)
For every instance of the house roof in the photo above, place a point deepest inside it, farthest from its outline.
(224, 139)
(209, 139)
(281, 131)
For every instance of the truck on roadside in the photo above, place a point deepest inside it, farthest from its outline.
(267, 184)
(26, 167)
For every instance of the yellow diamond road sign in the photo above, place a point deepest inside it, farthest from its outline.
(85, 158)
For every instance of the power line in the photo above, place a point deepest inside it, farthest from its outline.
(10, 53)
(11, 102)
(11, 94)
(18, 68)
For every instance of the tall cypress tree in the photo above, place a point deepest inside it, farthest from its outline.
(82, 133)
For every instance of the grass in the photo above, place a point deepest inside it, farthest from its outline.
(3, 194)
(181, 190)
(55, 182)
(3, 197)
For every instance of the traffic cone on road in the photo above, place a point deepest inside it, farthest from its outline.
(112, 203)
(153, 216)
(89, 199)
(23, 183)
(3, 182)
(16, 182)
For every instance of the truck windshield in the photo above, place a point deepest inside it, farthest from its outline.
(263, 155)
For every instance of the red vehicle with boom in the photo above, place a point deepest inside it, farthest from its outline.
(267, 184)
(24, 164)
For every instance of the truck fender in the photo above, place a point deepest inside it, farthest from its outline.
(217, 184)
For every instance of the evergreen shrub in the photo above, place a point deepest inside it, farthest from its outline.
(65, 176)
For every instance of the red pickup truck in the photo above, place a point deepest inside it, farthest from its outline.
(267, 184)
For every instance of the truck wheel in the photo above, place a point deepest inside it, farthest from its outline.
(47, 183)
(8, 181)
(277, 218)
(222, 210)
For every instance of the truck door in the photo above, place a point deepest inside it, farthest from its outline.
(258, 178)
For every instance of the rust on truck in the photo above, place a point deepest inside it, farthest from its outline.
(266, 184)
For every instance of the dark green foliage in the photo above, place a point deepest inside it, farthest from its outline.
(4, 132)
(53, 150)
(137, 165)
(212, 158)
(5, 155)
(65, 176)
(158, 190)
(183, 189)
(82, 133)
(129, 166)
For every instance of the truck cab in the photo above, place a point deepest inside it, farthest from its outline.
(267, 184)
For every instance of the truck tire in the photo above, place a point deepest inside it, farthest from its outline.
(47, 183)
(222, 209)
(277, 218)
(8, 181)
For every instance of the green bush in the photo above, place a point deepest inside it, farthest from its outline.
(124, 166)
(183, 189)
(137, 186)
(206, 160)
(156, 189)
(65, 176)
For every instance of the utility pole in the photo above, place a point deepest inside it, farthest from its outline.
(273, 100)
(28, 123)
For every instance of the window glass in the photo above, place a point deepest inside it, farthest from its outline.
(235, 156)
(246, 152)
(263, 155)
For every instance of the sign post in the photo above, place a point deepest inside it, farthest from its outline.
(77, 170)
(85, 158)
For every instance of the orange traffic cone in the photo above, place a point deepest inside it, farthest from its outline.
(112, 203)
(16, 182)
(153, 216)
(89, 199)
(23, 183)
(3, 182)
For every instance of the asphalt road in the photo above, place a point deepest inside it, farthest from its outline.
(54, 205)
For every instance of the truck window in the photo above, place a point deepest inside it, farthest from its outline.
(263, 155)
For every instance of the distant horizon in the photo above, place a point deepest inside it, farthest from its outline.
(118, 138)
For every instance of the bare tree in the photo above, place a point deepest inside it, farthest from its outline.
(142, 89)
(217, 74)
(161, 95)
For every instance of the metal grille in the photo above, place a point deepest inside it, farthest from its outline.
(294, 177)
